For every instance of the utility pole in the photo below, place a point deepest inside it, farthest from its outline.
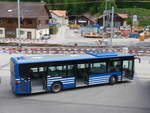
(112, 27)
(104, 22)
(104, 12)
(106, 4)
(19, 44)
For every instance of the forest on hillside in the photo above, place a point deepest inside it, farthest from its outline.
(75, 7)
(96, 7)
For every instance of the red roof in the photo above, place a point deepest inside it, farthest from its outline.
(124, 16)
(61, 13)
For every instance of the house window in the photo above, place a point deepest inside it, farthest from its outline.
(10, 20)
(22, 32)
(39, 22)
(0, 20)
(29, 21)
(1, 31)
(21, 21)
(46, 21)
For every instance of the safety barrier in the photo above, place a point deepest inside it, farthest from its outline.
(25, 41)
(65, 50)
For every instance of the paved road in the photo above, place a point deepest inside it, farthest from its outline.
(66, 36)
(128, 97)
(131, 97)
(70, 37)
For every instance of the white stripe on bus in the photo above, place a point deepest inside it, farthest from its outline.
(96, 83)
(61, 81)
(98, 80)
(52, 79)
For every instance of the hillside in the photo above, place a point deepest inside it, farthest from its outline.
(143, 14)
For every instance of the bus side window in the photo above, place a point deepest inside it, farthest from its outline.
(127, 67)
(34, 69)
(98, 68)
(118, 66)
(34, 72)
(111, 67)
(42, 69)
(114, 66)
(57, 71)
(70, 70)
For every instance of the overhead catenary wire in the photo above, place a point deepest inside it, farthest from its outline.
(73, 3)
(88, 2)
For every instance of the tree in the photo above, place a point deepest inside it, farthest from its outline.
(110, 4)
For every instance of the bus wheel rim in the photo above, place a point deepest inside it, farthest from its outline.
(56, 87)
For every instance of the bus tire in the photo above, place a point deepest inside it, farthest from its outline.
(56, 87)
(112, 80)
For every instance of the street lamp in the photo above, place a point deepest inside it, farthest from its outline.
(18, 2)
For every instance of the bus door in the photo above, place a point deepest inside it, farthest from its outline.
(38, 79)
(82, 74)
(127, 70)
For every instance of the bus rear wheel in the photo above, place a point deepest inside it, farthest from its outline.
(112, 80)
(56, 87)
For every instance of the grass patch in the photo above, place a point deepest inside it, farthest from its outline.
(143, 14)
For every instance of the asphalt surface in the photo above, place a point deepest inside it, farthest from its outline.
(66, 36)
(127, 97)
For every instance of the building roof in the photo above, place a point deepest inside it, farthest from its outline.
(27, 10)
(123, 16)
(61, 13)
(85, 15)
(90, 17)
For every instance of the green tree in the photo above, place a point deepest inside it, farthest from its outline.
(110, 4)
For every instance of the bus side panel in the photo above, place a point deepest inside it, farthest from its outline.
(103, 78)
(23, 86)
(66, 82)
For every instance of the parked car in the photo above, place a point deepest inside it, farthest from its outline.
(124, 28)
(147, 28)
(76, 31)
(46, 36)
(92, 35)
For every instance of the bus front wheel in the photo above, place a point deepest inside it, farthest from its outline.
(112, 80)
(56, 87)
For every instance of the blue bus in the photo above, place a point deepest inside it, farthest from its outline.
(53, 73)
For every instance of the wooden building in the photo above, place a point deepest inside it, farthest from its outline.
(83, 20)
(59, 17)
(34, 20)
(119, 20)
